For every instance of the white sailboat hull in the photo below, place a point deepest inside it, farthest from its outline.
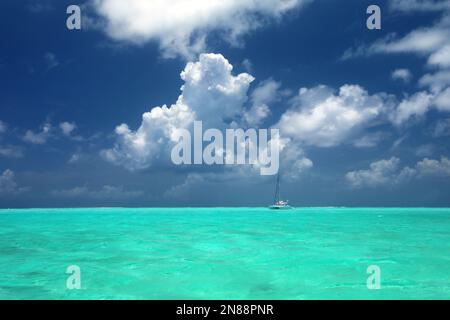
(276, 207)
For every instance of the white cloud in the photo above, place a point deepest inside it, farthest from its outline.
(402, 74)
(322, 118)
(8, 184)
(67, 128)
(211, 93)
(106, 192)
(38, 137)
(181, 27)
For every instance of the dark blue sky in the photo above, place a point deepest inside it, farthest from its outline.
(98, 78)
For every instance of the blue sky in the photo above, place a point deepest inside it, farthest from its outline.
(363, 113)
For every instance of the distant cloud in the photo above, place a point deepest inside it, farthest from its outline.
(431, 43)
(436, 81)
(248, 65)
(8, 184)
(419, 5)
(181, 29)
(48, 131)
(265, 94)
(431, 167)
(402, 74)
(294, 162)
(106, 192)
(425, 150)
(380, 173)
(11, 151)
(442, 128)
(75, 158)
(67, 128)
(369, 140)
(38, 137)
(180, 191)
(415, 106)
(51, 60)
(39, 6)
(389, 172)
(3, 127)
(442, 100)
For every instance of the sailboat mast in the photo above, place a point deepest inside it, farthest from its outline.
(277, 189)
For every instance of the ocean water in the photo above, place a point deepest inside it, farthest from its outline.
(223, 253)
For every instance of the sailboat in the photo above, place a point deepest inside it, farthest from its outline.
(279, 204)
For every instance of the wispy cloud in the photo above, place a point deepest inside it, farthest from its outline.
(3, 127)
(10, 151)
(419, 5)
(39, 6)
(51, 61)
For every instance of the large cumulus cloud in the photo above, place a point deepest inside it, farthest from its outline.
(211, 93)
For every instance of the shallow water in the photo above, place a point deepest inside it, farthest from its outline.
(223, 253)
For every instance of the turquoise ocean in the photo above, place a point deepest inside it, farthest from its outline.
(225, 253)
